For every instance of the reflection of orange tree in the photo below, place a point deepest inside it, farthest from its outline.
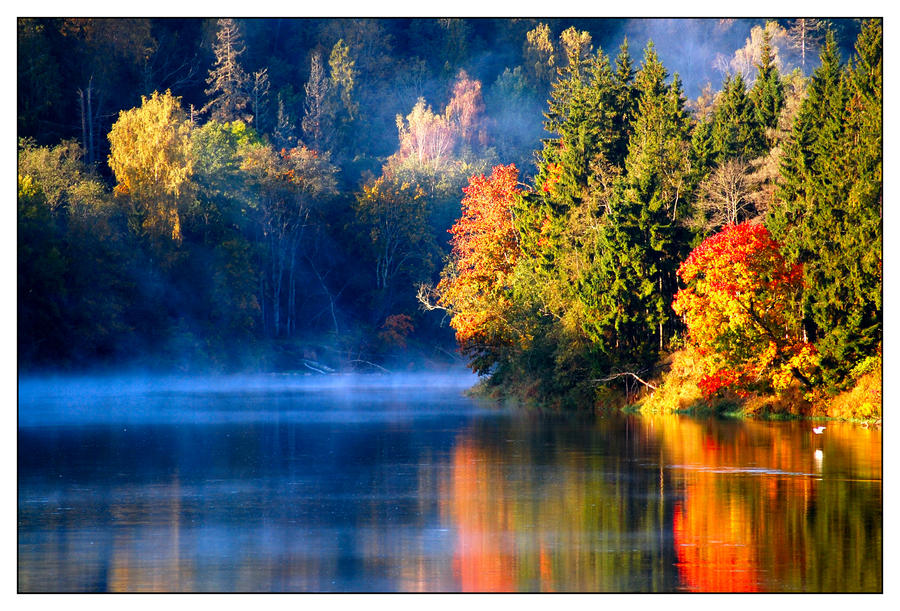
(735, 530)
(481, 560)
(517, 531)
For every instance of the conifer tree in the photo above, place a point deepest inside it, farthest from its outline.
(767, 92)
(625, 104)
(830, 193)
(736, 130)
(629, 287)
(227, 80)
(797, 160)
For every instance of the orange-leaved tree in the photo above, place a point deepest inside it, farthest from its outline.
(475, 284)
(736, 306)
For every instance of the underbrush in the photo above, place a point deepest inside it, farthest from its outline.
(863, 400)
(678, 393)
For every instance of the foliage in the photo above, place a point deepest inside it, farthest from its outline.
(394, 215)
(425, 136)
(736, 307)
(224, 235)
(150, 155)
(396, 329)
(831, 192)
(475, 285)
(863, 400)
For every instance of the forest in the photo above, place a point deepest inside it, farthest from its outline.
(543, 200)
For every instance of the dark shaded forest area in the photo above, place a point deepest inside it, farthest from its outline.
(276, 195)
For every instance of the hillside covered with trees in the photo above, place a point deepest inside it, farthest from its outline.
(546, 198)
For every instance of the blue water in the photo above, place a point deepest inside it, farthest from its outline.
(385, 484)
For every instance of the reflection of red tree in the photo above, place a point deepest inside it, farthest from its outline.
(481, 561)
(714, 547)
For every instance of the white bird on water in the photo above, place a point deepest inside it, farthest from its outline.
(818, 430)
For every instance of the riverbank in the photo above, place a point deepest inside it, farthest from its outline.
(677, 391)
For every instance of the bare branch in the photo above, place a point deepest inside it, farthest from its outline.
(613, 376)
(427, 298)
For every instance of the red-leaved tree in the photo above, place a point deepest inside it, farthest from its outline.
(736, 305)
(475, 284)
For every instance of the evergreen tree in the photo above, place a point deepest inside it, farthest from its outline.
(767, 92)
(227, 80)
(703, 150)
(625, 104)
(629, 287)
(824, 85)
(736, 130)
(831, 194)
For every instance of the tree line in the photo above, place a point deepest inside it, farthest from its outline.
(746, 233)
(265, 221)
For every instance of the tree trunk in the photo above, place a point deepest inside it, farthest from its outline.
(90, 130)
(292, 293)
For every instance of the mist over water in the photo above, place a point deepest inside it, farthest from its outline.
(81, 400)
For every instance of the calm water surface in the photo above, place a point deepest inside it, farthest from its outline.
(290, 484)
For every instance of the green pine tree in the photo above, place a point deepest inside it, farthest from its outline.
(737, 131)
(767, 93)
(829, 211)
(628, 288)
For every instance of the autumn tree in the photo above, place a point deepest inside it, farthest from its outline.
(539, 57)
(150, 155)
(465, 110)
(476, 284)
(737, 309)
(425, 136)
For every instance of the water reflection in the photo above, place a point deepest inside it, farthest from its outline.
(445, 497)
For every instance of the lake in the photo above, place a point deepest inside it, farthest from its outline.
(403, 484)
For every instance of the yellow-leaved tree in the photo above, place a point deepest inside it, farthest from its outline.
(150, 155)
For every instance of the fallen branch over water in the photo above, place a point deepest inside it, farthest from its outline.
(613, 376)
(370, 364)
